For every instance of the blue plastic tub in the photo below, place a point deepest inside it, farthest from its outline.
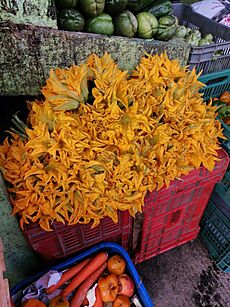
(111, 248)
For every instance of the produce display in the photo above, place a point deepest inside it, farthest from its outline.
(97, 281)
(101, 138)
(146, 19)
(223, 103)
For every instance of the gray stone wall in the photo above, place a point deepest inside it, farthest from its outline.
(36, 50)
(36, 12)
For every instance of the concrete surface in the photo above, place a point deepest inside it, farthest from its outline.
(185, 277)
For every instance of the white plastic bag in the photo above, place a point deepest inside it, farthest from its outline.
(217, 10)
(208, 8)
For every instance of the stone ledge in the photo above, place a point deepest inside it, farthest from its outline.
(37, 49)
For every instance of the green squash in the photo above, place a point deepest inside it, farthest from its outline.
(125, 24)
(189, 30)
(115, 7)
(196, 33)
(71, 20)
(102, 24)
(137, 6)
(168, 21)
(167, 27)
(161, 8)
(208, 37)
(92, 8)
(192, 39)
(181, 32)
(147, 25)
(203, 42)
(66, 4)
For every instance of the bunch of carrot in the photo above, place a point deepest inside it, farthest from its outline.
(82, 276)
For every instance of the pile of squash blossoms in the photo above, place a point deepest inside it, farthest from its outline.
(102, 137)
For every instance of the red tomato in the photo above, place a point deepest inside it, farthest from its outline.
(116, 265)
(121, 301)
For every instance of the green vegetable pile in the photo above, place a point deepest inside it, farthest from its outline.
(145, 19)
(195, 39)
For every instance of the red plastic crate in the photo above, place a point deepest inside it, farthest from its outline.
(182, 203)
(172, 215)
(65, 240)
(167, 240)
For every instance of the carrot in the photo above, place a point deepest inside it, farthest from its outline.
(98, 302)
(67, 275)
(85, 302)
(79, 296)
(92, 266)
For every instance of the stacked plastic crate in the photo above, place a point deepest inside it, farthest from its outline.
(215, 224)
(172, 215)
(215, 229)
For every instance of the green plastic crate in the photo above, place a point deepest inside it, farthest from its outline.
(223, 187)
(217, 83)
(215, 223)
(223, 262)
(215, 233)
(226, 146)
(215, 248)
